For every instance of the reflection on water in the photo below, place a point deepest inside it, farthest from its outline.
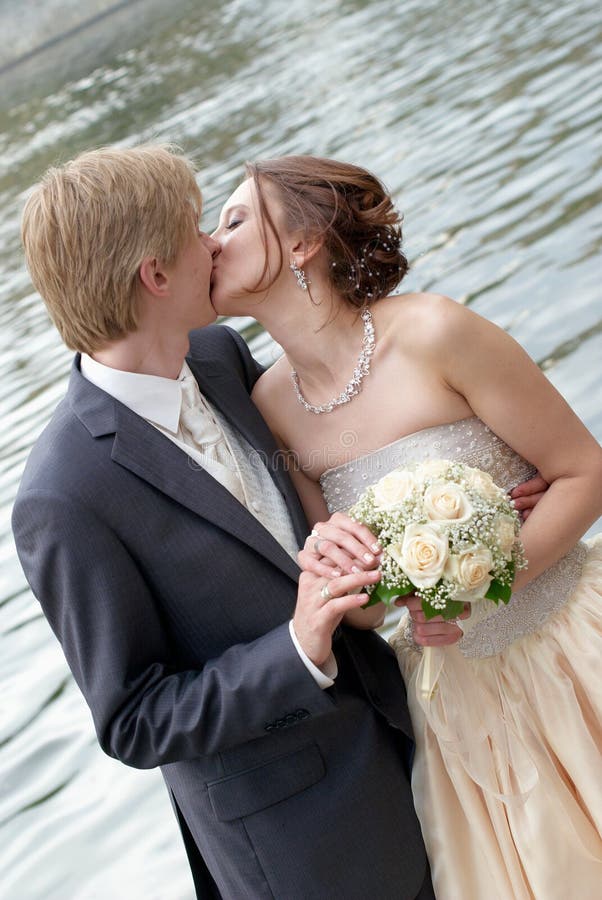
(482, 119)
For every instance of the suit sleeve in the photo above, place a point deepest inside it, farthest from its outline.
(147, 710)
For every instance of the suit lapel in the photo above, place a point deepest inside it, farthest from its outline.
(230, 397)
(150, 455)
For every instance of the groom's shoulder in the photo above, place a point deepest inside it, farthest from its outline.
(220, 340)
(219, 346)
(62, 453)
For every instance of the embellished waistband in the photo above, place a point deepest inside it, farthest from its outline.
(528, 609)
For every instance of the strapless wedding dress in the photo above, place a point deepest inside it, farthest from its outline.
(507, 776)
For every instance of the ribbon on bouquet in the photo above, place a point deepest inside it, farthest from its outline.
(476, 724)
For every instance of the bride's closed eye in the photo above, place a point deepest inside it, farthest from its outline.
(233, 224)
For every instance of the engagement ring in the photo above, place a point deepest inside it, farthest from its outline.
(315, 533)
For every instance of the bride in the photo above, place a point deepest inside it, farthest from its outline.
(507, 771)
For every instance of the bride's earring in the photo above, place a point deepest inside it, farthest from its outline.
(300, 275)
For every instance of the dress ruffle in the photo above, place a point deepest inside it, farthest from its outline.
(507, 776)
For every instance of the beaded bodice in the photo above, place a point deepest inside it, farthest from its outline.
(489, 630)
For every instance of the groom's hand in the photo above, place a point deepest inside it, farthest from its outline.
(321, 605)
(527, 495)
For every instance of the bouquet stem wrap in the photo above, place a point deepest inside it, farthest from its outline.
(429, 670)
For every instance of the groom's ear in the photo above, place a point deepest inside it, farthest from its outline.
(153, 275)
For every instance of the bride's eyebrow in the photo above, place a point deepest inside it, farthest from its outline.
(237, 206)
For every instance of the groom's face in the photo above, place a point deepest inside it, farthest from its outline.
(190, 277)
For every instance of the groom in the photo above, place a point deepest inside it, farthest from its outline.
(159, 535)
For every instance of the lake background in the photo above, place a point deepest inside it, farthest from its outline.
(483, 120)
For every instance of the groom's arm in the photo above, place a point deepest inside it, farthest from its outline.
(147, 709)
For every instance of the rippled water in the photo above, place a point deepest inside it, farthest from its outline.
(483, 119)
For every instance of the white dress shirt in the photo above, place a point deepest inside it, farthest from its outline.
(159, 400)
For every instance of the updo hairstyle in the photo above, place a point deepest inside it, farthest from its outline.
(349, 209)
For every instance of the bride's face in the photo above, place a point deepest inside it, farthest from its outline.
(237, 282)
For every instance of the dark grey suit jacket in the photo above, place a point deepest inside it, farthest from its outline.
(172, 602)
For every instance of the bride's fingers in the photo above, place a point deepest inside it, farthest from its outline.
(359, 531)
(445, 639)
(414, 606)
(436, 633)
(324, 568)
(340, 548)
(356, 539)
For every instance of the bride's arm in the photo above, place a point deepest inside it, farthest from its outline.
(341, 554)
(508, 392)
(316, 511)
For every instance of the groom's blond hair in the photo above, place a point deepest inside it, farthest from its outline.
(88, 225)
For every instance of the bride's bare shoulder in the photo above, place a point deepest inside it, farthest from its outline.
(421, 319)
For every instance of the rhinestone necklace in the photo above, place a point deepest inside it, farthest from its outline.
(362, 368)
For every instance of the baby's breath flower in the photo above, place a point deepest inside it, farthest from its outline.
(475, 520)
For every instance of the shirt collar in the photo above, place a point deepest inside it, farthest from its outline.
(152, 397)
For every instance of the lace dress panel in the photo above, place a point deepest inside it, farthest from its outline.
(490, 629)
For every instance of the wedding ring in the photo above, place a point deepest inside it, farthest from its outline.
(325, 593)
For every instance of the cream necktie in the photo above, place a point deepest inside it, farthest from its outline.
(201, 431)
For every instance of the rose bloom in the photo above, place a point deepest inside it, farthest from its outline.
(471, 570)
(483, 484)
(393, 489)
(505, 534)
(445, 501)
(422, 555)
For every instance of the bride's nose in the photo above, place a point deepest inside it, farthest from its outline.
(212, 245)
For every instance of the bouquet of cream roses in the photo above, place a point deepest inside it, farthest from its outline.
(448, 533)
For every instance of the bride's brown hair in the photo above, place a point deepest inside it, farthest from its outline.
(347, 208)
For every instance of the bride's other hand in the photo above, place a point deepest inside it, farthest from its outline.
(435, 632)
(339, 545)
(528, 494)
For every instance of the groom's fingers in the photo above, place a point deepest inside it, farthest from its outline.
(321, 604)
(535, 486)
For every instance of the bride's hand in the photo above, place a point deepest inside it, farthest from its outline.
(436, 632)
(339, 545)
